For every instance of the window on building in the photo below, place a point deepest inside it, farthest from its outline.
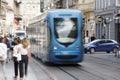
(97, 4)
(117, 2)
(83, 1)
(33, 6)
(102, 1)
(105, 2)
(87, 32)
(108, 3)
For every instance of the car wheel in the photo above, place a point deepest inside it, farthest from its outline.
(108, 51)
(115, 50)
(92, 50)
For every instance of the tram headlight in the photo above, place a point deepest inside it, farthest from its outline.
(55, 47)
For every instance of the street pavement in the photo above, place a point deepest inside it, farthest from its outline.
(10, 72)
(34, 72)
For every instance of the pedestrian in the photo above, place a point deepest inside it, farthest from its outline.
(93, 37)
(86, 39)
(16, 60)
(6, 41)
(3, 56)
(26, 56)
(103, 36)
(10, 40)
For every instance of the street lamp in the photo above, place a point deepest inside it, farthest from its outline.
(106, 24)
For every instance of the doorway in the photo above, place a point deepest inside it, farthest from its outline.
(117, 32)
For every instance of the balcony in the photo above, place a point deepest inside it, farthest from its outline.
(117, 2)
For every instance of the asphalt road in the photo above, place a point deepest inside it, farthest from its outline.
(94, 67)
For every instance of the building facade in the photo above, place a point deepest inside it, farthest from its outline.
(107, 19)
(58, 4)
(28, 9)
(3, 8)
(87, 7)
(9, 10)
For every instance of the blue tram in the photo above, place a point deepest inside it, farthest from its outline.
(56, 36)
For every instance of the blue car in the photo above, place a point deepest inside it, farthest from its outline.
(102, 45)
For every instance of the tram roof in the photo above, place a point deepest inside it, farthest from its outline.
(63, 11)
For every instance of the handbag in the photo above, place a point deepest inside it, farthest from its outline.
(16, 53)
(2, 58)
(19, 57)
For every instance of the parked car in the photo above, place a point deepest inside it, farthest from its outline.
(102, 45)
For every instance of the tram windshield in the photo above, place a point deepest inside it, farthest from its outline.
(65, 30)
(20, 34)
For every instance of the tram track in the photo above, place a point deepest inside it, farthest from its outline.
(41, 65)
(88, 70)
(68, 73)
(104, 62)
(86, 73)
(50, 71)
(81, 74)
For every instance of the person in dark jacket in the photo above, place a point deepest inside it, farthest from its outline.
(93, 37)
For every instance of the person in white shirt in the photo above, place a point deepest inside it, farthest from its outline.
(26, 55)
(86, 40)
(16, 60)
(3, 56)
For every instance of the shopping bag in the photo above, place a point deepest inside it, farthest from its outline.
(19, 57)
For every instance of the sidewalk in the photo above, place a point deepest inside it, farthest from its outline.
(10, 72)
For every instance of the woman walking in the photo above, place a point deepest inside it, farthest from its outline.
(3, 55)
(17, 61)
(26, 55)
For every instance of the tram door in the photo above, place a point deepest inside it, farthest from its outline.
(117, 30)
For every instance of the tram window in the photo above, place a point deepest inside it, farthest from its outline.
(48, 36)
